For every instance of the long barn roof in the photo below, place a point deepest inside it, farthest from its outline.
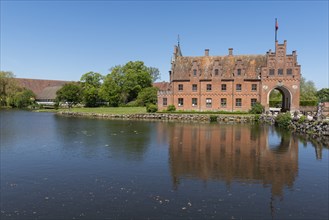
(42, 88)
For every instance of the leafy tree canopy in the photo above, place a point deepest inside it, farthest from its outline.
(70, 93)
(323, 95)
(307, 90)
(91, 79)
(124, 83)
(147, 96)
(91, 83)
(8, 86)
(22, 99)
(154, 72)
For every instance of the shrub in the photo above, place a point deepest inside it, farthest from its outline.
(171, 108)
(257, 108)
(302, 119)
(132, 104)
(308, 103)
(213, 118)
(151, 108)
(283, 120)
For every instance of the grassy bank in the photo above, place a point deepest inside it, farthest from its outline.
(101, 110)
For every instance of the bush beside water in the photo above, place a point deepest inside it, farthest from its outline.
(283, 120)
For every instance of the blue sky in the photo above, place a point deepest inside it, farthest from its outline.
(65, 39)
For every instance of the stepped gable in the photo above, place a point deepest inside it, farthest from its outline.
(39, 85)
(206, 65)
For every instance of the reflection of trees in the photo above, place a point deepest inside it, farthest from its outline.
(119, 138)
(284, 144)
(232, 152)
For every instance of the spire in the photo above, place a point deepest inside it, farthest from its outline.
(179, 52)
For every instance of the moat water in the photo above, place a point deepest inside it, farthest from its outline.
(55, 167)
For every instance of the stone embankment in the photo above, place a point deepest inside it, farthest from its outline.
(316, 128)
(167, 117)
(309, 127)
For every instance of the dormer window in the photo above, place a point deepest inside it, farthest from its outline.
(239, 72)
(216, 72)
(194, 72)
(280, 72)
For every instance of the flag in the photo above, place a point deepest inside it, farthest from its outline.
(276, 24)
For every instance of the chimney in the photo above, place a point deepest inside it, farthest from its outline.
(206, 52)
(230, 51)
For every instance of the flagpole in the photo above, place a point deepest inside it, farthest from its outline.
(276, 29)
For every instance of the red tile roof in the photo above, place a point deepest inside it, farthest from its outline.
(38, 86)
(162, 85)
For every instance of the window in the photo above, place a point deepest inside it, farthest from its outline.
(180, 87)
(194, 87)
(180, 101)
(194, 102)
(280, 72)
(238, 87)
(223, 102)
(208, 102)
(239, 72)
(194, 72)
(216, 72)
(253, 102)
(238, 102)
(253, 87)
(208, 87)
(271, 72)
(164, 101)
(223, 87)
(289, 71)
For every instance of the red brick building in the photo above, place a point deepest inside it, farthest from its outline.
(231, 82)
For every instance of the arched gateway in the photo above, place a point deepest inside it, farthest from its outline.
(231, 82)
(286, 97)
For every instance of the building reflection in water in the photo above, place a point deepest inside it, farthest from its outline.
(245, 153)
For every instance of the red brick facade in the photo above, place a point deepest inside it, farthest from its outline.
(232, 82)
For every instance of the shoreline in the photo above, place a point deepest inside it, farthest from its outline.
(167, 117)
(320, 130)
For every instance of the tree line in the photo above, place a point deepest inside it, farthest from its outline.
(125, 85)
(11, 94)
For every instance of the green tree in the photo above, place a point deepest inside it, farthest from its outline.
(154, 72)
(124, 83)
(91, 83)
(8, 87)
(70, 93)
(111, 90)
(91, 79)
(307, 90)
(275, 98)
(22, 99)
(323, 95)
(147, 96)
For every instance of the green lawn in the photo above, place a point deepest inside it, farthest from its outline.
(111, 110)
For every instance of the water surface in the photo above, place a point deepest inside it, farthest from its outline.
(55, 167)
